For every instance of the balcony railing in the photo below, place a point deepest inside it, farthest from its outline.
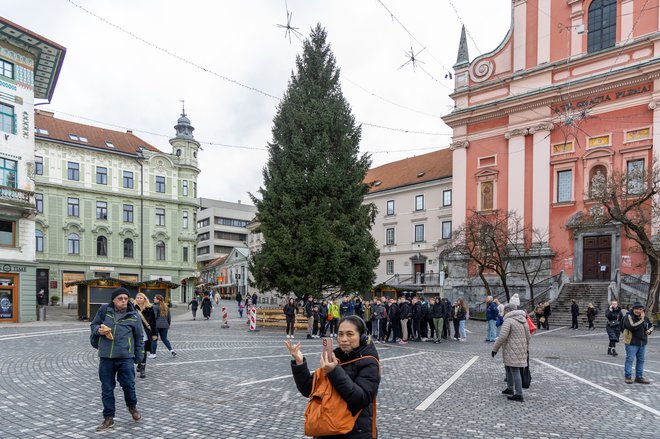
(414, 279)
(16, 196)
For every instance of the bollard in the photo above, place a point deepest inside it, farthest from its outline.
(253, 319)
(225, 321)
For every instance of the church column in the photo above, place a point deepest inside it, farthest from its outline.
(654, 106)
(541, 176)
(519, 34)
(516, 177)
(459, 182)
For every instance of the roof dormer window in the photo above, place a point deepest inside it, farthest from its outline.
(109, 144)
(77, 138)
(41, 131)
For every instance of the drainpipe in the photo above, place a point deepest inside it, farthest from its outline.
(141, 215)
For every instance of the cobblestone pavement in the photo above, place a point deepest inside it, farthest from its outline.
(228, 383)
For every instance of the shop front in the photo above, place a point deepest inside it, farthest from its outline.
(17, 292)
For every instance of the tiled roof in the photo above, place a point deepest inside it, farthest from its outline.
(216, 261)
(413, 170)
(51, 128)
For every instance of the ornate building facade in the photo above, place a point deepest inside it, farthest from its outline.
(570, 96)
(29, 68)
(111, 205)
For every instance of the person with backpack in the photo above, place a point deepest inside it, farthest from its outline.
(514, 339)
(117, 329)
(352, 371)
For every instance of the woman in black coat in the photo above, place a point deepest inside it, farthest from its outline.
(148, 317)
(290, 311)
(207, 306)
(357, 383)
(323, 316)
(614, 317)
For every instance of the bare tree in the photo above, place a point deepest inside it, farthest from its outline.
(483, 240)
(632, 199)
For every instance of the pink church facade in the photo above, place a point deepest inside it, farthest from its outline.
(571, 93)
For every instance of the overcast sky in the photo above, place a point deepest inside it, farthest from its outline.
(112, 78)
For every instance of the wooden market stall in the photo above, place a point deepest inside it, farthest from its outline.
(151, 288)
(92, 293)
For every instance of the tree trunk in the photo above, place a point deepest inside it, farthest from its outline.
(531, 296)
(654, 288)
(483, 279)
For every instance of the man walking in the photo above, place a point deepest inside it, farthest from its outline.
(308, 311)
(575, 312)
(636, 331)
(120, 345)
(491, 318)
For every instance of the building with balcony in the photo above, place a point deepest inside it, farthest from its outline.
(413, 224)
(29, 68)
(110, 204)
(221, 226)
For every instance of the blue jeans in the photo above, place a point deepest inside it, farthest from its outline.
(162, 334)
(461, 329)
(631, 352)
(491, 334)
(122, 369)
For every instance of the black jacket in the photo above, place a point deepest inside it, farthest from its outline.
(591, 313)
(323, 312)
(638, 327)
(438, 310)
(357, 383)
(150, 317)
(417, 312)
(207, 306)
(613, 327)
(405, 310)
(575, 309)
(394, 313)
(309, 308)
(290, 310)
(447, 306)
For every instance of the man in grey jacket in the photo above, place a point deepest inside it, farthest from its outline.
(120, 346)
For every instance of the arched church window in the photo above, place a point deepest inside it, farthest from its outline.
(602, 25)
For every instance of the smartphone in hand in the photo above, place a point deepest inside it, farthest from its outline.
(327, 347)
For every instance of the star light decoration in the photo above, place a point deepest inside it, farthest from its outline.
(289, 29)
(569, 120)
(412, 58)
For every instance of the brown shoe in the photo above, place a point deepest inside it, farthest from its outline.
(642, 380)
(629, 380)
(106, 424)
(135, 413)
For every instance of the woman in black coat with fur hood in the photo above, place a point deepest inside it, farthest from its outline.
(357, 382)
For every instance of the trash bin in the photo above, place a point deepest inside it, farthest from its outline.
(41, 314)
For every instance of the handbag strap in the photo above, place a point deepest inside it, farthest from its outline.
(373, 414)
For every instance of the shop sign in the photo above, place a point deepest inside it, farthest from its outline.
(13, 268)
(95, 268)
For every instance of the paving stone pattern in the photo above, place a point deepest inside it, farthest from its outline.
(49, 387)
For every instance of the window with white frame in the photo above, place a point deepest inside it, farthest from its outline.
(39, 240)
(564, 186)
(389, 236)
(8, 173)
(160, 251)
(101, 175)
(389, 266)
(419, 202)
(127, 213)
(127, 180)
(73, 207)
(446, 230)
(39, 202)
(102, 210)
(7, 119)
(446, 197)
(160, 184)
(73, 171)
(101, 246)
(38, 165)
(74, 244)
(160, 217)
(7, 233)
(6, 69)
(128, 248)
(419, 232)
(184, 188)
(184, 220)
(390, 207)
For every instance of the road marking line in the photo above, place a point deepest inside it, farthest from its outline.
(608, 391)
(602, 334)
(440, 390)
(264, 381)
(404, 356)
(41, 334)
(217, 360)
(621, 365)
(547, 332)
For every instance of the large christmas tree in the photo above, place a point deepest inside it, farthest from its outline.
(315, 228)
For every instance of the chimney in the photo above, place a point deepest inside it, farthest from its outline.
(129, 131)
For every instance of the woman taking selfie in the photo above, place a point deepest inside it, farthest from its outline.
(352, 369)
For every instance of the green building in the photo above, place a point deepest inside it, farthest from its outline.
(111, 205)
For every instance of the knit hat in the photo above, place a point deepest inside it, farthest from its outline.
(515, 300)
(119, 292)
(637, 305)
